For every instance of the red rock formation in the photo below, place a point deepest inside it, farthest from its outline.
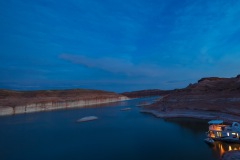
(210, 98)
(13, 102)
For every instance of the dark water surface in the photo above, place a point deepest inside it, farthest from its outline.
(116, 135)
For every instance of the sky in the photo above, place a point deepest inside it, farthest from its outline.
(117, 45)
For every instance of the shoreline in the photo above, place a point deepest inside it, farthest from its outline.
(20, 102)
(49, 106)
(205, 115)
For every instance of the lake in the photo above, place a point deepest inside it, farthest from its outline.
(115, 135)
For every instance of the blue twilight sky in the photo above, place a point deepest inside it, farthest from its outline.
(117, 45)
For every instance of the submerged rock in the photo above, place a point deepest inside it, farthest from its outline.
(89, 118)
(125, 109)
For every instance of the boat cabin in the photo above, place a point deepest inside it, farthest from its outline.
(215, 128)
(219, 131)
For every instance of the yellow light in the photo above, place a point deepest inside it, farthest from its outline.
(221, 150)
(233, 133)
(229, 148)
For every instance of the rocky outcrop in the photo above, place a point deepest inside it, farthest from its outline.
(231, 155)
(146, 93)
(15, 102)
(209, 98)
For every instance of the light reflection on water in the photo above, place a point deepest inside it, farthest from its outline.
(197, 126)
(219, 148)
(124, 135)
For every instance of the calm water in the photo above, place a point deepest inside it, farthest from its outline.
(115, 135)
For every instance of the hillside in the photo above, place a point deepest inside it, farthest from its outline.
(209, 98)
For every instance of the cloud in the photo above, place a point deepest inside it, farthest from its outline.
(164, 42)
(147, 72)
(115, 65)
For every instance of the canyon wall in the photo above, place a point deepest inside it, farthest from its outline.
(36, 107)
(12, 104)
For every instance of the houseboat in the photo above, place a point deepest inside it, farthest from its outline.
(222, 132)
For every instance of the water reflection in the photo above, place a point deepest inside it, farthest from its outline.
(196, 126)
(199, 127)
(220, 147)
(124, 135)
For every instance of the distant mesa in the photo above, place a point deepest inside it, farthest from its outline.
(146, 93)
(210, 79)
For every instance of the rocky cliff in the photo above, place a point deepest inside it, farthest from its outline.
(15, 102)
(209, 98)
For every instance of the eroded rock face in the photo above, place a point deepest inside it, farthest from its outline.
(15, 102)
(208, 95)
